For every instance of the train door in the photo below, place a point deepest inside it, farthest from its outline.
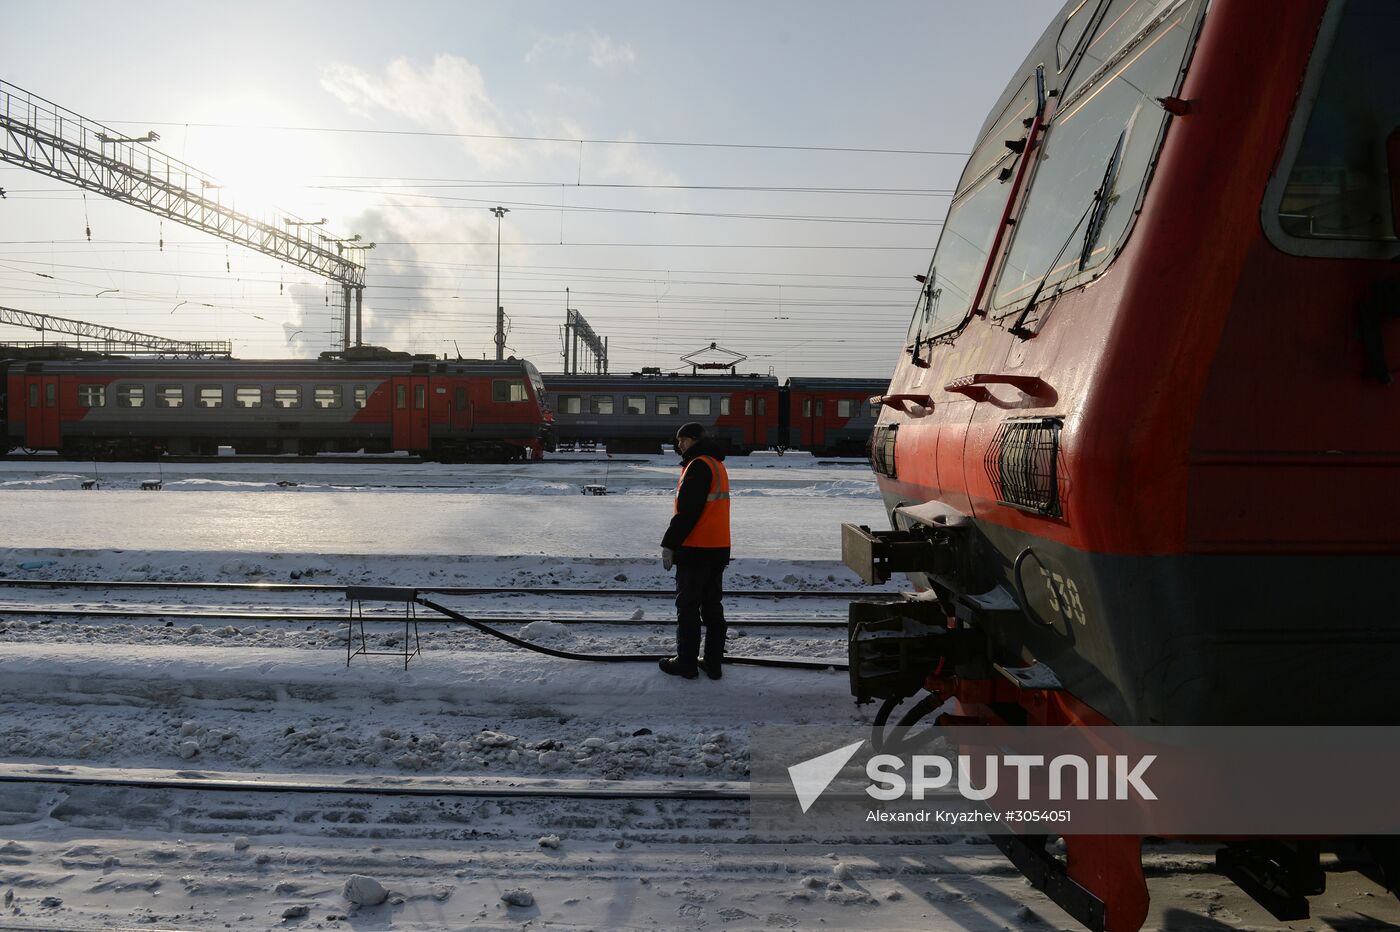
(814, 406)
(41, 430)
(410, 413)
(460, 418)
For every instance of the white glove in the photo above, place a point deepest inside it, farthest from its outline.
(668, 558)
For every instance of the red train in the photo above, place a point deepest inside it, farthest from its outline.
(458, 410)
(1142, 436)
(641, 412)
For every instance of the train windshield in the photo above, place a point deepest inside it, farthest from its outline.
(1340, 183)
(971, 224)
(536, 382)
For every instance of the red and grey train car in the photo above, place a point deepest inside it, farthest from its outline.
(106, 407)
(1144, 436)
(642, 411)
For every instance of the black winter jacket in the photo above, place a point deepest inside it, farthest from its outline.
(690, 502)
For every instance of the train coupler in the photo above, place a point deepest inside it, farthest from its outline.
(876, 555)
(894, 644)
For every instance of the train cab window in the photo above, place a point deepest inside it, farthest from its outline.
(361, 396)
(286, 396)
(724, 405)
(326, 396)
(668, 404)
(508, 390)
(170, 396)
(973, 218)
(401, 397)
(248, 396)
(131, 396)
(845, 407)
(636, 405)
(571, 404)
(1072, 31)
(697, 405)
(1097, 152)
(601, 404)
(92, 396)
(210, 396)
(1345, 151)
(875, 412)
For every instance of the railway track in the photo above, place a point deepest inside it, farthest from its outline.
(12, 582)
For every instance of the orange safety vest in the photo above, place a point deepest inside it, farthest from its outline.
(712, 530)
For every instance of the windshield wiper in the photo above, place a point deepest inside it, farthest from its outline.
(1094, 213)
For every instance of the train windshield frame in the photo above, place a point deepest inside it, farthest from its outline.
(1332, 194)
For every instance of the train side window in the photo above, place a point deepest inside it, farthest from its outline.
(508, 390)
(806, 407)
(571, 404)
(763, 406)
(637, 405)
(668, 404)
(820, 408)
(461, 398)
(361, 396)
(1072, 31)
(845, 407)
(33, 396)
(875, 411)
(327, 396)
(401, 397)
(748, 406)
(601, 404)
(697, 404)
(724, 405)
(92, 396)
(1102, 139)
(1337, 175)
(420, 397)
(286, 396)
(170, 396)
(50, 395)
(248, 396)
(131, 396)
(210, 396)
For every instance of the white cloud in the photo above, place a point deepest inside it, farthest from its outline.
(447, 96)
(604, 52)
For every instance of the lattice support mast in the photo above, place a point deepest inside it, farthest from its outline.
(113, 338)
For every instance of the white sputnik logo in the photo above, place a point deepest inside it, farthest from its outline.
(811, 777)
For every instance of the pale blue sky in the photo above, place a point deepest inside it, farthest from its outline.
(878, 75)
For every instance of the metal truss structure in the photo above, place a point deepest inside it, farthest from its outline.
(110, 339)
(44, 137)
(578, 335)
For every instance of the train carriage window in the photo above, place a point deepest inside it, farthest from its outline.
(807, 407)
(697, 405)
(401, 397)
(668, 404)
(211, 396)
(821, 405)
(1340, 182)
(724, 406)
(420, 397)
(33, 396)
(131, 396)
(248, 396)
(508, 390)
(875, 412)
(571, 404)
(460, 396)
(748, 406)
(971, 225)
(50, 395)
(361, 396)
(326, 396)
(170, 396)
(1097, 152)
(92, 396)
(637, 405)
(601, 404)
(763, 406)
(286, 396)
(845, 407)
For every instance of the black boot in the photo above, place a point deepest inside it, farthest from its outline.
(714, 670)
(676, 667)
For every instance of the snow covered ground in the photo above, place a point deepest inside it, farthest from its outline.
(273, 699)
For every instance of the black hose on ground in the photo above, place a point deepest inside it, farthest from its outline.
(617, 658)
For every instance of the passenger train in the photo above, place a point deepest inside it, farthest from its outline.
(379, 403)
(641, 412)
(1143, 439)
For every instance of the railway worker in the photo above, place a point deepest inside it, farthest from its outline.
(697, 543)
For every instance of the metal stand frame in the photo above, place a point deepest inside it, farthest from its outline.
(357, 596)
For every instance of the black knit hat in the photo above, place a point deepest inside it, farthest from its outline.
(693, 430)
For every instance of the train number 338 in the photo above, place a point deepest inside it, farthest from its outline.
(1064, 597)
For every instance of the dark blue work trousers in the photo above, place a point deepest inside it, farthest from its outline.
(699, 595)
